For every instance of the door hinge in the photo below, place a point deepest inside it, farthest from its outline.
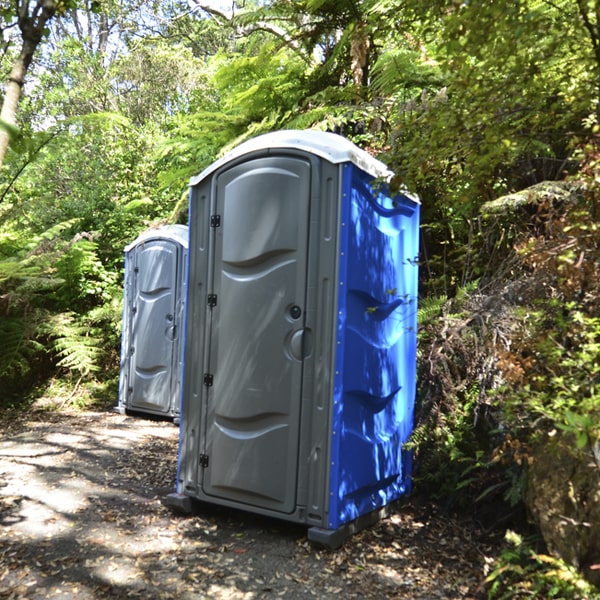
(204, 461)
(208, 379)
(212, 300)
(215, 221)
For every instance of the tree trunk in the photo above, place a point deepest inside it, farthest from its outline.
(592, 24)
(32, 28)
(360, 44)
(12, 93)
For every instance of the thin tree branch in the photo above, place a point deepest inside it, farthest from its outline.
(26, 164)
(593, 31)
(211, 11)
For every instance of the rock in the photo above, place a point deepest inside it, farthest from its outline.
(555, 192)
(563, 497)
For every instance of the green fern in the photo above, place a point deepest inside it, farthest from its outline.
(17, 347)
(31, 264)
(403, 69)
(73, 342)
(430, 307)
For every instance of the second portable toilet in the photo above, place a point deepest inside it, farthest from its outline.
(300, 352)
(153, 309)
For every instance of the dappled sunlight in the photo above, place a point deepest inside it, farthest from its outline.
(82, 518)
(375, 387)
(74, 511)
(116, 573)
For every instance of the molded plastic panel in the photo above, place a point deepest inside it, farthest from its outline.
(312, 342)
(151, 360)
(331, 147)
(153, 329)
(260, 266)
(374, 385)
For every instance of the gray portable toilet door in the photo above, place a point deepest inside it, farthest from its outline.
(256, 341)
(152, 341)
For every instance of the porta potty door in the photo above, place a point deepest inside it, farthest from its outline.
(152, 358)
(257, 341)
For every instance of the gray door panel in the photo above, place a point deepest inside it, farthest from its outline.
(253, 412)
(153, 326)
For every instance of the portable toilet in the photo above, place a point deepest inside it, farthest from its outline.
(300, 351)
(153, 309)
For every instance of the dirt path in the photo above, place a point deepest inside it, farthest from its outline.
(81, 517)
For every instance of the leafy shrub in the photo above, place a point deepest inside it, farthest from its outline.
(60, 309)
(510, 360)
(510, 355)
(455, 422)
(522, 572)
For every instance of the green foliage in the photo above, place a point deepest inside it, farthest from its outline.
(530, 367)
(50, 276)
(28, 270)
(17, 349)
(584, 427)
(80, 183)
(400, 72)
(553, 379)
(157, 80)
(271, 79)
(298, 69)
(26, 279)
(9, 128)
(453, 437)
(86, 282)
(73, 342)
(552, 373)
(248, 95)
(513, 89)
(522, 572)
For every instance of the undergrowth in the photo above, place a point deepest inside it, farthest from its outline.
(511, 358)
(524, 571)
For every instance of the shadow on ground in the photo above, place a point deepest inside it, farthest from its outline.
(82, 517)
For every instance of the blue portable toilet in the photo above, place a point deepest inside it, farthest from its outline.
(154, 294)
(300, 344)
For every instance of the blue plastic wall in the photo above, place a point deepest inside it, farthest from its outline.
(375, 364)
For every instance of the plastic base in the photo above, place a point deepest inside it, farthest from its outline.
(330, 539)
(149, 415)
(180, 502)
(334, 538)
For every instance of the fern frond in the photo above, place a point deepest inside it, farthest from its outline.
(73, 343)
(17, 347)
(32, 265)
(13, 268)
(431, 307)
(403, 69)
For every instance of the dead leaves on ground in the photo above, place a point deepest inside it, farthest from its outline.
(124, 543)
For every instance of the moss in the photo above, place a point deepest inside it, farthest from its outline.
(545, 191)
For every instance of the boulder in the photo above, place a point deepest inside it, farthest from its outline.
(563, 497)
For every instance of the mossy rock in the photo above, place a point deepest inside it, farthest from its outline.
(556, 192)
(564, 499)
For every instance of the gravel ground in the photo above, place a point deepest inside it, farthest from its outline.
(82, 516)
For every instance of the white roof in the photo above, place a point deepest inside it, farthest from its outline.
(177, 233)
(330, 146)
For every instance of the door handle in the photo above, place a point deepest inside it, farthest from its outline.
(300, 344)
